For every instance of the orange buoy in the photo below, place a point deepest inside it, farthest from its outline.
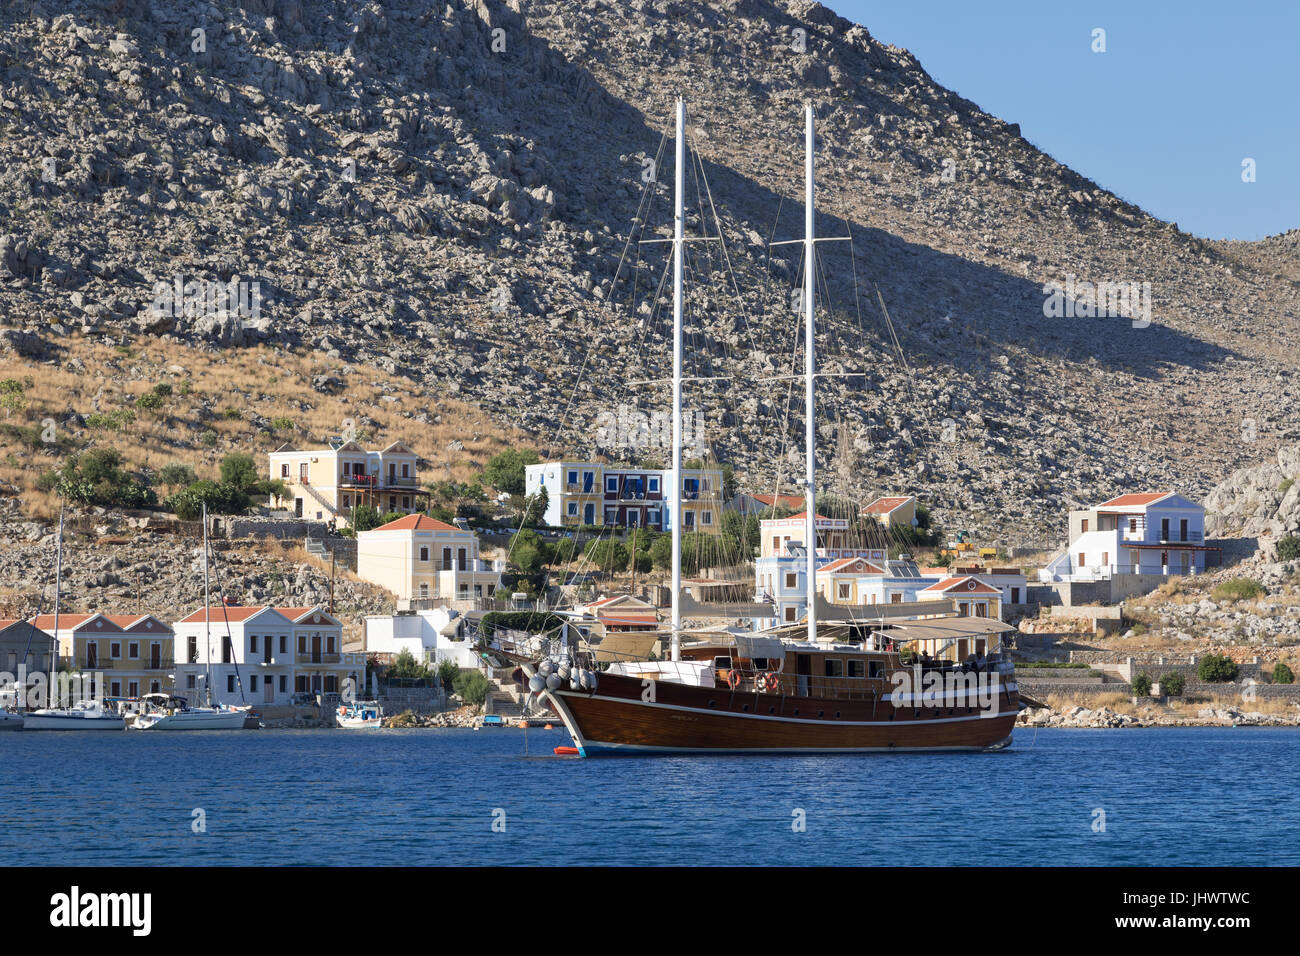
(549, 727)
(523, 724)
(566, 751)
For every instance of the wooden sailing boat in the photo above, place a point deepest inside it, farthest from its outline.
(844, 689)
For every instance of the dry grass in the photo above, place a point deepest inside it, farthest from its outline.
(263, 385)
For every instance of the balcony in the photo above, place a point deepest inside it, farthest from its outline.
(323, 657)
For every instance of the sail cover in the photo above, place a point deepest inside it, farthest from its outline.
(751, 647)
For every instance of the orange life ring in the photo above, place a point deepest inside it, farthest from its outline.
(733, 679)
(342, 711)
(771, 683)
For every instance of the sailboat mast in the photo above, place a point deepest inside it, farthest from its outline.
(207, 613)
(810, 422)
(679, 229)
(58, 586)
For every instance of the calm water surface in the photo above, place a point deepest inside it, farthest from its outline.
(1178, 797)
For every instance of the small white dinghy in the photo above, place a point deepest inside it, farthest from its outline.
(361, 715)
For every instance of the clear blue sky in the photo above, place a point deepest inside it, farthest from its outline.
(1184, 92)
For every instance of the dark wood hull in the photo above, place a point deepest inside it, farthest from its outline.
(625, 716)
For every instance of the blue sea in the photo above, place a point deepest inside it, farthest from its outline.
(464, 797)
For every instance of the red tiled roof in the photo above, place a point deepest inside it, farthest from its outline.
(44, 621)
(224, 614)
(843, 563)
(1135, 500)
(883, 506)
(966, 585)
(416, 523)
(783, 501)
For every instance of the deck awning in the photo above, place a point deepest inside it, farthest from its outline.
(944, 628)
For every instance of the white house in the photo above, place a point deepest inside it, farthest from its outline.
(432, 636)
(1151, 533)
(262, 655)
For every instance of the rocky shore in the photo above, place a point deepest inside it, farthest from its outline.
(468, 716)
(1104, 717)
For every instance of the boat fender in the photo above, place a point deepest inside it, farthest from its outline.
(564, 670)
(733, 679)
(553, 682)
(545, 668)
(594, 681)
(343, 711)
(537, 683)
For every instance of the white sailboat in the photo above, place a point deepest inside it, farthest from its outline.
(84, 714)
(164, 712)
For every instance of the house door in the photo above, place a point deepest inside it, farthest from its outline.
(268, 690)
(92, 655)
(155, 656)
(297, 507)
(963, 649)
(315, 648)
(315, 683)
(803, 672)
(589, 514)
(1015, 595)
(304, 470)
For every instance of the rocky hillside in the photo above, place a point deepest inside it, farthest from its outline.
(447, 193)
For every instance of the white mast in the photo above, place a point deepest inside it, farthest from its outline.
(54, 644)
(207, 614)
(810, 425)
(679, 228)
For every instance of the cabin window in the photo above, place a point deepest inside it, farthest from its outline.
(875, 669)
(834, 667)
(857, 668)
(723, 663)
(760, 663)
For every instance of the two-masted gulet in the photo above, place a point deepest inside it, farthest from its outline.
(846, 684)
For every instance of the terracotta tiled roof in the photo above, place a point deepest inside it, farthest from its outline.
(416, 523)
(842, 564)
(224, 614)
(1135, 500)
(782, 501)
(965, 585)
(883, 506)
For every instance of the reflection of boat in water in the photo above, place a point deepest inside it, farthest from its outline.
(84, 715)
(360, 715)
(165, 712)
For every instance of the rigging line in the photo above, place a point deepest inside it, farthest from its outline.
(642, 201)
(903, 358)
(857, 295)
(216, 573)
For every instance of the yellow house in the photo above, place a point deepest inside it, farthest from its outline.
(422, 559)
(133, 652)
(325, 484)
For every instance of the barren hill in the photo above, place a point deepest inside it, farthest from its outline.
(445, 194)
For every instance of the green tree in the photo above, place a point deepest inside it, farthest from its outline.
(239, 471)
(505, 470)
(448, 671)
(1282, 674)
(1216, 669)
(406, 666)
(1173, 684)
(608, 555)
(221, 499)
(472, 686)
(1142, 685)
(96, 477)
(365, 517)
(535, 508)
(176, 475)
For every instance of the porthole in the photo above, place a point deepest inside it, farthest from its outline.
(745, 708)
(837, 715)
(796, 711)
(771, 710)
(821, 713)
(713, 703)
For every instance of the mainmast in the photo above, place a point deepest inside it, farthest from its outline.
(207, 614)
(679, 229)
(58, 585)
(810, 422)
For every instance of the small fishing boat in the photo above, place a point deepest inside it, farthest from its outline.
(10, 720)
(494, 720)
(361, 715)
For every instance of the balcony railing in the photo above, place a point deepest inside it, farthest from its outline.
(323, 657)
